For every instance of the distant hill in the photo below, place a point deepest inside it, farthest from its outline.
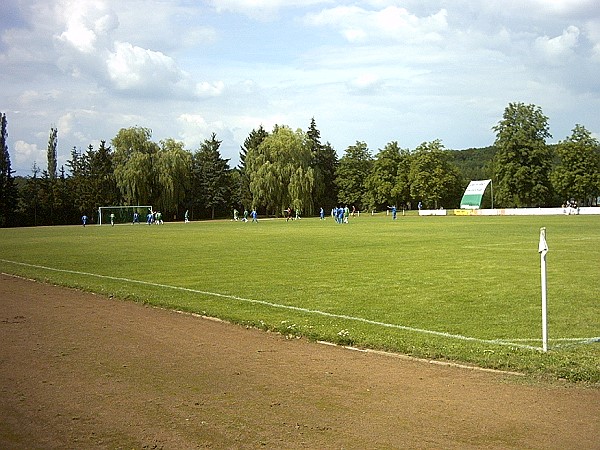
(474, 163)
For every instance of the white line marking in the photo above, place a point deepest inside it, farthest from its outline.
(587, 339)
(289, 307)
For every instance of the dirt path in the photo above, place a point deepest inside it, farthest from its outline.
(82, 371)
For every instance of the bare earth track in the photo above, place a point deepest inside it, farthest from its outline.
(79, 370)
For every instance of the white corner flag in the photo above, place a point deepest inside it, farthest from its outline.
(543, 247)
(543, 250)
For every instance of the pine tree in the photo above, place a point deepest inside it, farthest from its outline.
(8, 189)
(211, 185)
(254, 139)
(324, 164)
(52, 156)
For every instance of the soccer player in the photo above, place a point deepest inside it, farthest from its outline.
(322, 213)
(136, 218)
(187, 216)
(84, 219)
(393, 208)
(112, 219)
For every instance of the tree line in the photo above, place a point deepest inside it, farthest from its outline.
(285, 168)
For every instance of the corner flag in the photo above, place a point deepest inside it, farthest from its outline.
(543, 247)
(543, 250)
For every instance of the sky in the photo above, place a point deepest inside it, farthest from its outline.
(374, 71)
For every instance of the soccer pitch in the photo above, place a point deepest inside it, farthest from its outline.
(464, 289)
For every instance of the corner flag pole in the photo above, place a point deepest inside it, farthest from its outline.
(543, 250)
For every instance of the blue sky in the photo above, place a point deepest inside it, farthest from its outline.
(366, 70)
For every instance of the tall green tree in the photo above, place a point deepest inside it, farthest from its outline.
(64, 200)
(434, 180)
(523, 161)
(8, 189)
(31, 206)
(92, 182)
(280, 171)
(577, 176)
(388, 184)
(100, 176)
(401, 189)
(324, 163)
(211, 176)
(52, 153)
(135, 157)
(243, 196)
(172, 167)
(79, 182)
(48, 182)
(351, 175)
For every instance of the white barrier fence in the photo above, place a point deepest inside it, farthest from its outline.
(512, 211)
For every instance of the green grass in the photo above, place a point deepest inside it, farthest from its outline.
(356, 284)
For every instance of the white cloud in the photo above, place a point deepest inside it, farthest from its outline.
(31, 97)
(592, 33)
(205, 88)
(566, 8)
(85, 22)
(541, 10)
(134, 68)
(26, 154)
(365, 82)
(357, 24)
(260, 9)
(199, 36)
(65, 123)
(195, 129)
(558, 48)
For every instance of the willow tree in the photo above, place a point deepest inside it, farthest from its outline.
(172, 170)
(150, 174)
(134, 159)
(280, 171)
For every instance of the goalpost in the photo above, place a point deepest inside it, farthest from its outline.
(123, 214)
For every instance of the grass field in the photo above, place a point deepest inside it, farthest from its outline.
(465, 289)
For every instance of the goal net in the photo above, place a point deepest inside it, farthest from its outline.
(123, 214)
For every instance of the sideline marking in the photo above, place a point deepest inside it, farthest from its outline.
(289, 307)
(422, 360)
